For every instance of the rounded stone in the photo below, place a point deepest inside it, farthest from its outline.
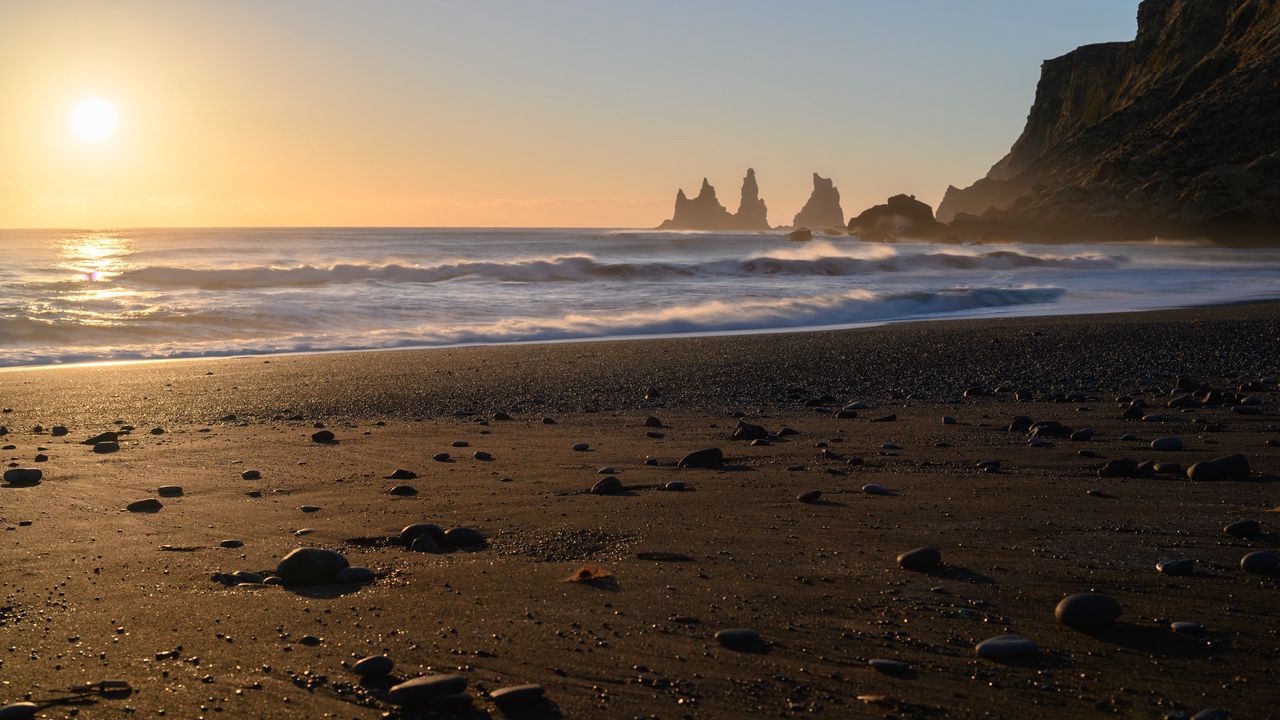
(1243, 529)
(147, 505)
(581, 447)
(1166, 444)
(169, 490)
(875, 489)
(1176, 567)
(1087, 611)
(411, 532)
(425, 543)
(231, 543)
(324, 437)
(889, 667)
(251, 475)
(420, 691)
(373, 666)
(403, 491)
(809, 496)
(19, 711)
(607, 486)
(1261, 562)
(108, 446)
(705, 458)
(311, 566)
(23, 476)
(482, 456)
(739, 638)
(462, 537)
(920, 558)
(675, 486)
(1006, 647)
(1184, 627)
(354, 575)
(517, 694)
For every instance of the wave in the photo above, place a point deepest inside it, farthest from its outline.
(579, 268)
(42, 342)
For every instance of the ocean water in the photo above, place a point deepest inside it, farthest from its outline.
(139, 294)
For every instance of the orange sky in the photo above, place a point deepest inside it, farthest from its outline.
(494, 113)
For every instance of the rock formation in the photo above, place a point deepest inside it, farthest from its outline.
(823, 208)
(705, 212)
(900, 217)
(1174, 133)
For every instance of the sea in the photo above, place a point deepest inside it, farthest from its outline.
(81, 296)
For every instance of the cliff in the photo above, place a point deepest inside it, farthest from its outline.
(705, 212)
(1175, 133)
(823, 207)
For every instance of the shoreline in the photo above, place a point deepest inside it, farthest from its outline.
(1048, 317)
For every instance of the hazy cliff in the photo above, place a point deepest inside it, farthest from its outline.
(1174, 133)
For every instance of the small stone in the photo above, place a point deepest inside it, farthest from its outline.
(147, 505)
(607, 486)
(108, 436)
(517, 694)
(410, 532)
(1243, 529)
(708, 458)
(157, 431)
(1166, 444)
(1261, 562)
(1183, 627)
(324, 437)
(739, 639)
(1230, 467)
(251, 475)
(482, 456)
(422, 690)
(889, 667)
(354, 575)
(19, 711)
(875, 489)
(310, 508)
(106, 447)
(809, 496)
(1176, 567)
(303, 532)
(948, 420)
(169, 490)
(311, 566)
(23, 476)
(747, 431)
(425, 543)
(403, 491)
(231, 543)
(1087, 611)
(373, 666)
(460, 444)
(402, 474)
(652, 422)
(581, 447)
(675, 486)
(462, 537)
(1006, 647)
(441, 457)
(920, 559)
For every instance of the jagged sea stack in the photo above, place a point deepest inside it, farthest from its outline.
(705, 212)
(752, 213)
(823, 208)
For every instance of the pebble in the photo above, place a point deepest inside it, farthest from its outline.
(652, 422)
(607, 486)
(517, 694)
(462, 537)
(354, 575)
(1166, 444)
(1087, 611)
(1243, 529)
(707, 458)
(581, 447)
(441, 457)
(304, 531)
(739, 639)
(920, 558)
(169, 490)
(251, 475)
(108, 436)
(889, 667)
(231, 543)
(19, 711)
(402, 474)
(874, 489)
(324, 437)
(1230, 467)
(425, 543)
(1176, 567)
(460, 444)
(1005, 647)
(403, 491)
(423, 689)
(675, 486)
(810, 496)
(482, 456)
(1261, 562)
(147, 505)
(311, 566)
(606, 470)
(310, 508)
(948, 420)
(411, 532)
(1183, 627)
(106, 447)
(23, 476)
(373, 666)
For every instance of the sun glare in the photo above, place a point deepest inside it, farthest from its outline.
(93, 120)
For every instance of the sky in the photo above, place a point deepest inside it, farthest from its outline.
(560, 113)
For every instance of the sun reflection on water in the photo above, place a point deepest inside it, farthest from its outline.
(95, 256)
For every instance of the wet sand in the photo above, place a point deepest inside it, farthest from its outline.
(89, 591)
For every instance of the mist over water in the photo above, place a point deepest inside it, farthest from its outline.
(74, 297)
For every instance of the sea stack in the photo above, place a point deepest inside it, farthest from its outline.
(900, 217)
(823, 208)
(705, 212)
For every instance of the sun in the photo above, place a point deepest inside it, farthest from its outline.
(93, 120)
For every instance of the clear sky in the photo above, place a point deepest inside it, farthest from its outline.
(520, 112)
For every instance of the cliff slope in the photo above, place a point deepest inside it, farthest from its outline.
(1175, 133)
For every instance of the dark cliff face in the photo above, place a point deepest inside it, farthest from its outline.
(822, 210)
(705, 212)
(1175, 133)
